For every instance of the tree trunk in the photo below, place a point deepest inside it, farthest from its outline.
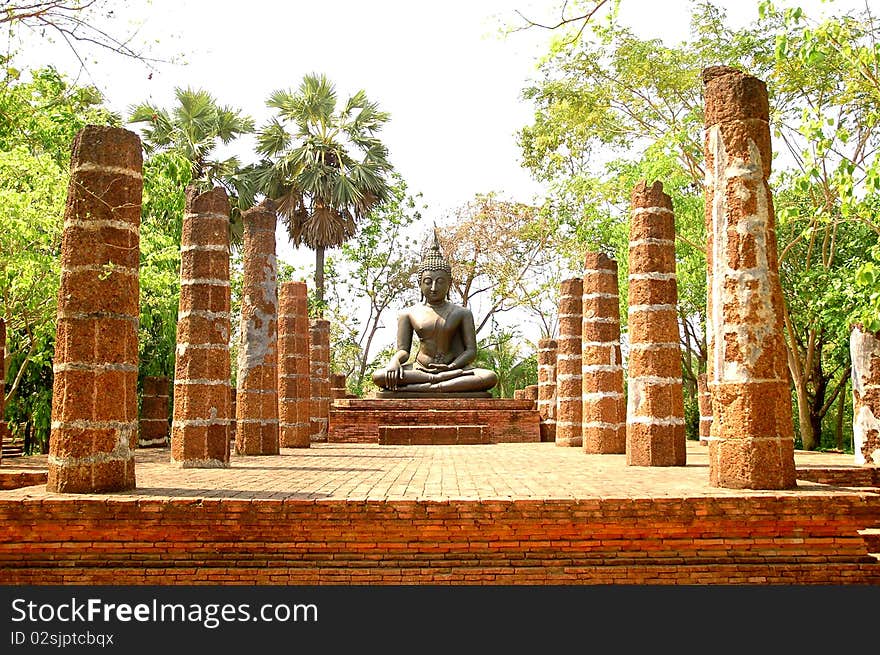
(838, 424)
(805, 418)
(319, 280)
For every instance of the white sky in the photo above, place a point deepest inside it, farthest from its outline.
(449, 80)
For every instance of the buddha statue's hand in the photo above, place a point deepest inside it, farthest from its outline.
(393, 374)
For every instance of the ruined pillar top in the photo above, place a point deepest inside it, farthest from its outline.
(215, 201)
(260, 217)
(731, 94)
(107, 146)
(599, 261)
(650, 196)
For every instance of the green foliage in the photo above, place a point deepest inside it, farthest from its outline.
(166, 176)
(502, 351)
(41, 117)
(323, 163)
(378, 266)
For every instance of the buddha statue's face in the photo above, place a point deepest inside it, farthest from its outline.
(435, 285)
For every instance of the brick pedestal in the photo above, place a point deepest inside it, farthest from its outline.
(293, 365)
(94, 392)
(319, 371)
(655, 430)
(752, 440)
(435, 421)
(154, 428)
(257, 397)
(603, 404)
(568, 364)
(865, 356)
(547, 388)
(202, 413)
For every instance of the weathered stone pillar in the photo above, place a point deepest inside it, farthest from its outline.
(338, 387)
(519, 394)
(531, 393)
(154, 412)
(94, 392)
(257, 397)
(752, 440)
(568, 364)
(202, 413)
(547, 388)
(604, 405)
(319, 369)
(864, 350)
(2, 385)
(655, 429)
(293, 365)
(704, 400)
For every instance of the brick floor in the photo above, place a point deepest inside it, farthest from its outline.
(359, 472)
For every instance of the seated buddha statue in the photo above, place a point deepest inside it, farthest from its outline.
(447, 339)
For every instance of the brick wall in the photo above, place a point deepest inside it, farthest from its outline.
(126, 540)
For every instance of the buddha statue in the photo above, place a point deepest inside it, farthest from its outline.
(447, 339)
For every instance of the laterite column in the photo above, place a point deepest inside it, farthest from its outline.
(257, 397)
(202, 413)
(752, 440)
(865, 354)
(568, 364)
(154, 412)
(704, 401)
(338, 386)
(547, 388)
(655, 429)
(94, 392)
(293, 365)
(604, 408)
(319, 370)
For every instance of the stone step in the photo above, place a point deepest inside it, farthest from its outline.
(872, 540)
(418, 435)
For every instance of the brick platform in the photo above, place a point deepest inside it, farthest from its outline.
(359, 420)
(522, 513)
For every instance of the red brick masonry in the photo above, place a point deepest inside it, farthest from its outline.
(506, 420)
(127, 540)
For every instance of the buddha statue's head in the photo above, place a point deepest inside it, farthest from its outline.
(435, 273)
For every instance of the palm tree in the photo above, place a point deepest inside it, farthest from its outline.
(195, 128)
(323, 166)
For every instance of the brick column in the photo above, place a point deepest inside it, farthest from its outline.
(752, 441)
(2, 385)
(257, 397)
(154, 412)
(519, 394)
(338, 387)
(655, 429)
(547, 388)
(531, 393)
(704, 400)
(319, 370)
(293, 365)
(202, 413)
(568, 364)
(865, 353)
(94, 392)
(603, 404)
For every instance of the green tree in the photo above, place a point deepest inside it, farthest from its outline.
(611, 108)
(195, 128)
(502, 352)
(324, 164)
(41, 116)
(380, 265)
(500, 256)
